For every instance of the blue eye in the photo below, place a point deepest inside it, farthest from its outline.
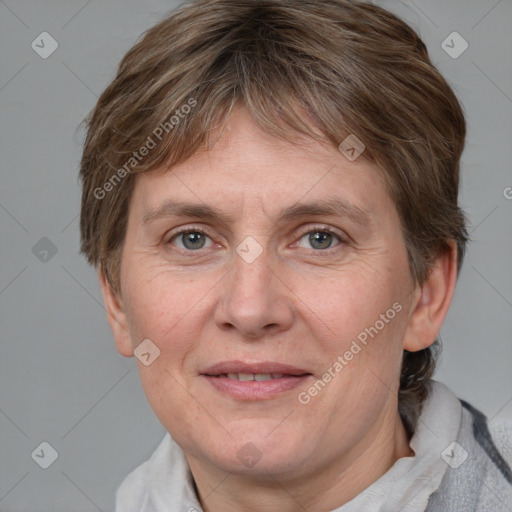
(192, 239)
(195, 239)
(321, 239)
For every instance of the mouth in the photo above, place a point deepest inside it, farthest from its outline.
(259, 381)
(246, 377)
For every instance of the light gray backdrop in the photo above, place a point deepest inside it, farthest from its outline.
(62, 381)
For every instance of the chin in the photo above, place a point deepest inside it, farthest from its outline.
(261, 454)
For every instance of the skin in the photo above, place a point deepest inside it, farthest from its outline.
(296, 304)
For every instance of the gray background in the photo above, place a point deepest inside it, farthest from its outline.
(62, 380)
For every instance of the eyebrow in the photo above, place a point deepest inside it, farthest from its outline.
(332, 206)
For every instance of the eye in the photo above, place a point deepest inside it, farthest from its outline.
(190, 239)
(194, 239)
(321, 238)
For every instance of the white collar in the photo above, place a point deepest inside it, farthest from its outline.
(408, 484)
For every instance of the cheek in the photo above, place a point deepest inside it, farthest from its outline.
(162, 301)
(347, 303)
(167, 310)
(359, 315)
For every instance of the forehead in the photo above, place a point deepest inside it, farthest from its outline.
(250, 170)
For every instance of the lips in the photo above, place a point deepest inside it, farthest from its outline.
(263, 368)
(254, 381)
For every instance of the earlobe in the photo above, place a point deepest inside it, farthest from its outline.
(432, 301)
(116, 316)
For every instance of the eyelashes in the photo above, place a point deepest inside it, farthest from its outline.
(188, 231)
(201, 240)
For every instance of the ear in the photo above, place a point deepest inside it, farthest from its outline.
(116, 316)
(431, 302)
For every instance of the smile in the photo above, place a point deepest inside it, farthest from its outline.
(253, 376)
(259, 381)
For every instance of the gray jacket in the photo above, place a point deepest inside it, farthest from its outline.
(483, 482)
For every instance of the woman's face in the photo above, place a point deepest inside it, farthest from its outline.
(279, 314)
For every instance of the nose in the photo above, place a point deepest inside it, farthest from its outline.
(254, 298)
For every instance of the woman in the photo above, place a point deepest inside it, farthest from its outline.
(270, 198)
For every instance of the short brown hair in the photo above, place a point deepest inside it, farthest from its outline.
(325, 69)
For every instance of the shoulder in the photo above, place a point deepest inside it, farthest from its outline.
(132, 494)
(479, 476)
(163, 483)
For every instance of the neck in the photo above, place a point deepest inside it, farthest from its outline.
(317, 490)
